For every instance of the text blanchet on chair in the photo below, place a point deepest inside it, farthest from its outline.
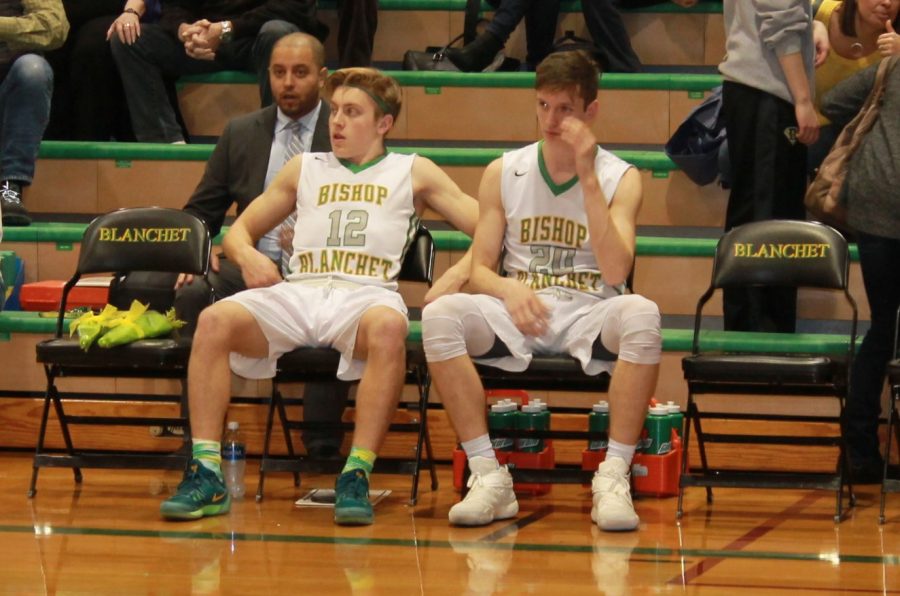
(140, 239)
(320, 365)
(784, 253)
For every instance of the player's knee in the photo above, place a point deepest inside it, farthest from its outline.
(387, 334)
(641, 339)
(443, 336)
(214, 327)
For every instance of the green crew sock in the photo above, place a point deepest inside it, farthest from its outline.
(208, 453)
(360, 459)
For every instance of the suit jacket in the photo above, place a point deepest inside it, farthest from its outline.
(236, 170)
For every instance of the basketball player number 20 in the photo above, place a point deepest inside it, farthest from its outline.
(551, 260)
(354, 225)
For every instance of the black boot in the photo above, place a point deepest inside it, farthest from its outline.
(14, 213)
(477, 55)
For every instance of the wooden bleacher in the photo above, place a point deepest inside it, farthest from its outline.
(100, 177)
(643, 108)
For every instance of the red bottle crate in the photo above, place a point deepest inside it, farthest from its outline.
(545, 460)
(652, 475)
(44, 296)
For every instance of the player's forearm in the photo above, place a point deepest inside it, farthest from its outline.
(482, 280)
(238, 244)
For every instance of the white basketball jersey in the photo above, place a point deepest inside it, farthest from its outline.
(547, 241)
(353, 222)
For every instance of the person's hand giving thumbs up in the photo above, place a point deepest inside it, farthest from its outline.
(889, 42)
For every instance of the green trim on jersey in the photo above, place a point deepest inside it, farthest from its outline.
(356, 169)
(556, 189)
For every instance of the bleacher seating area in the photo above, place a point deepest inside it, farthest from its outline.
(462, 122)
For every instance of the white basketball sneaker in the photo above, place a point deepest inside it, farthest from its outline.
(490, 495)
(611, 489)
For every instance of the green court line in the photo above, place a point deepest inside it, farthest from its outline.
(657, 552)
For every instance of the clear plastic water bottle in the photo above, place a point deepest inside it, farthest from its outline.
(234, 460)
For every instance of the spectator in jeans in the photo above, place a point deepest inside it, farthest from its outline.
(873, 210)
(202, 37)
(26, 83)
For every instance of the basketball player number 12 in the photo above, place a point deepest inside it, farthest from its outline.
(354, 227)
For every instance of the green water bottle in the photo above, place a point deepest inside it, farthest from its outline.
(502, 417)
(598, 422)
(676, 417)
(532, 417)
(659, 430)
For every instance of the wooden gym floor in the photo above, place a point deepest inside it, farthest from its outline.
(107, 538)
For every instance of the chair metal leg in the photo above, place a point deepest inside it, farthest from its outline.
(893, 426)
(701, 447)
(265, 455)
(185, 413)
(424, 439)
(420, 438)
(282, 415)
(843, 472)
(64, 426)
(679, 511)
(428, 451)
(45, 414)
(431, 469)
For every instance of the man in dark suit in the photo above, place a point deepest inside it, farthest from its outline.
(249, 153)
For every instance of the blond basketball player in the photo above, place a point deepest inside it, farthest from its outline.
(563, 213)
(357, 212)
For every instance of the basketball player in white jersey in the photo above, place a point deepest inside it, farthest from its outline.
(564, 211)
(358, 208)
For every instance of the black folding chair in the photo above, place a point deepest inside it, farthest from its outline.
(150, 239)
(308, 365)
(771, 253)
(892, 485)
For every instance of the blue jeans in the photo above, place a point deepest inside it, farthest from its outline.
(24, 111)
(878, 258)
(157, 54)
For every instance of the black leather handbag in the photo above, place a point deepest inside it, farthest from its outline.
(435, 59)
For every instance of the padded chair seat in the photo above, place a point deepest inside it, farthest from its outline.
(157, 353)
(319, 364)
(561, 372)
(765, 369)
